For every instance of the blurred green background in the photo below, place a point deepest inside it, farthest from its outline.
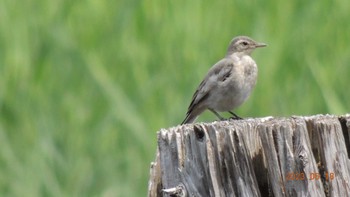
(85, 85)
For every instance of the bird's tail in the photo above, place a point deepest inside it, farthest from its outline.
(189, 118)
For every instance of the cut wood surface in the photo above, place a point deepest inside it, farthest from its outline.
(296, 156)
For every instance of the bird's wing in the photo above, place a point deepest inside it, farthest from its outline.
(218, 73)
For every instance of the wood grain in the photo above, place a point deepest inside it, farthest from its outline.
(296, 156)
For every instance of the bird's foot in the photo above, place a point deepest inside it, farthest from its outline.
(234, 116)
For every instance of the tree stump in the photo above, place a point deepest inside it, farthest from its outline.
(297, 156)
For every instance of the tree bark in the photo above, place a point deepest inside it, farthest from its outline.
(297, 156)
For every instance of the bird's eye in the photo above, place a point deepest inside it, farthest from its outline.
(245, 43)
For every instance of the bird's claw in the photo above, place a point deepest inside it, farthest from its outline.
(235, 118)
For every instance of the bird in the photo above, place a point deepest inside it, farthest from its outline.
(228, 83)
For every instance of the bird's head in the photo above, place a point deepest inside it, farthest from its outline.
(243, 45)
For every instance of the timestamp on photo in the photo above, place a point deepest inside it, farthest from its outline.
(300, 176)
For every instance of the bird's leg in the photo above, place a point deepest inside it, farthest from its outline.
(217, 114)
(234, 116)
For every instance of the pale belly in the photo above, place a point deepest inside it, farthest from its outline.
(232, 98)
(232, 93)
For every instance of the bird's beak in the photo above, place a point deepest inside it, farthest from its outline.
(260, 45)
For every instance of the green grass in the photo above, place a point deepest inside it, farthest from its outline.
(85, 85)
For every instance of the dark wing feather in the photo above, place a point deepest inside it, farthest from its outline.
(219, 72)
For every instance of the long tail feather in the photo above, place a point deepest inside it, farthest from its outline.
(189, 118)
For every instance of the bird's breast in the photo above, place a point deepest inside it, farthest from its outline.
(241, 83)
(246, 72)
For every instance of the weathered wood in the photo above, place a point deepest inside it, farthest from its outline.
(297, 156)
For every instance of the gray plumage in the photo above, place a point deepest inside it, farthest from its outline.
(228, 83)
